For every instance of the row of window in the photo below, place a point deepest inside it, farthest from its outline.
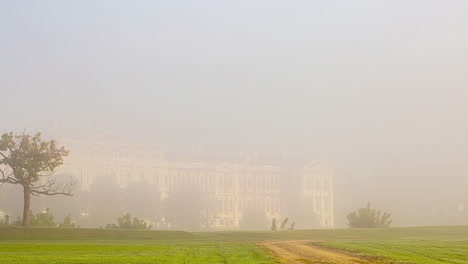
(114, 152)
(226, 182)
(317, 184)
(227, 205)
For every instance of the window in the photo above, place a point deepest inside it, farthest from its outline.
(231, 205)
(231, 183)
(221, 182)
(202, 181)
(221, 205)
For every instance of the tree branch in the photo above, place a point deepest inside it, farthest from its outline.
(7, 179)
(51, 187)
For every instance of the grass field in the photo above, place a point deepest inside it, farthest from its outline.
(409, 250)
(392, 245)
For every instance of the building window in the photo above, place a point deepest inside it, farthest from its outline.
(221, 182)
(231, 205)
(221, 205)
(276, 206)
(202, 181)
(231, 183)
(268, 205)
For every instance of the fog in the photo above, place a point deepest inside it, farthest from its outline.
(376, 89)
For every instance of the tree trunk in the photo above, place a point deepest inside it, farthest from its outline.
(27, 205)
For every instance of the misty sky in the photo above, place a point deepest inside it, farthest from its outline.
(356, 83)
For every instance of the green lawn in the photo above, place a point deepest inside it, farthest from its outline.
(409, 250)
(57, 245)
(134, 252)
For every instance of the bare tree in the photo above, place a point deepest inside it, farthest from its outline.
(29, 161)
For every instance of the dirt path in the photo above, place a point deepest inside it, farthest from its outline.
(304, 251)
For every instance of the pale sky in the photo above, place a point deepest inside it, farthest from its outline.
(354, 83)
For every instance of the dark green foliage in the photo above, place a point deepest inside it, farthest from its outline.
(67, 222)
(273, 224)
(17, 222)
(126, 222)
(284, 223)
(44, 219)
(5, 220)
(365, 217)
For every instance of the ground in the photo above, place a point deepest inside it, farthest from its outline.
(305, 251)
(387, 246)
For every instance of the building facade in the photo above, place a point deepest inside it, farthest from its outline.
(235, 186)
(317, 192)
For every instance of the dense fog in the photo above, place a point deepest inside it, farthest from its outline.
(377, 90)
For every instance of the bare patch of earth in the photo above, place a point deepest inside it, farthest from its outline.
(305, 251)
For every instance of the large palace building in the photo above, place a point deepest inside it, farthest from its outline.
(237, 186)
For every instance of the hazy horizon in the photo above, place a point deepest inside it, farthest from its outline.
(376, 89)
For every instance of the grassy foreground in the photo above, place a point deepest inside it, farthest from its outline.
(408, 250)
(56, 245)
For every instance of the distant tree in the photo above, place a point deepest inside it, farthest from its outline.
(273, 224)
(254, 219)
(292, 226)
(17, 222)
(31, 161)
(184, 208)
(126, 222)
(67, 222)
(366, 217)
(105, 201)
(62, 206)
(143, 200)
(284, 223)
(5, 220)
(44, 219)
